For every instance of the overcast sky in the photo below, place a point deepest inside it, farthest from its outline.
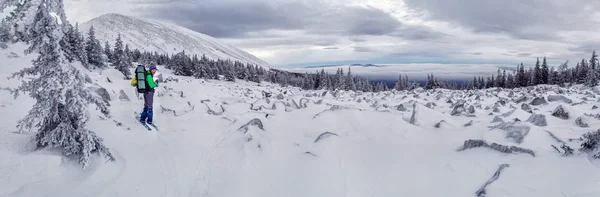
(309, 32)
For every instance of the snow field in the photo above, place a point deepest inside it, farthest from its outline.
(371, 150)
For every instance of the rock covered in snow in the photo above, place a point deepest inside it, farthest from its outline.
(468, 123)
(560, 112)
(471, 109)
(280, 96)
(430, 105)
(401, 107)
(581, 123)
(12, 55)
(3, 45)
(537, 119)
(123, 96)
(520, 99)
(102, 92)
(538, 101)
(497, 119)
(526, 107)
(561, 98)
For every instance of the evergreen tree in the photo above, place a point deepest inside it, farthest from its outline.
(564, 74)
(108, 52)
(16, 24)
(537, 76)
(121, 61)
(93, 49)
(73, 46)
(230, 73)
(60, 111)
(545, 72)
(510, 81)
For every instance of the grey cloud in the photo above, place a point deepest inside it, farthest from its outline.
(586, 48)
(241, 18)
(294, 40)
(357, 39)
(523, 54)
(330, 48)
(231, 18)
(477, 53)
(524, 19)
(364, 49)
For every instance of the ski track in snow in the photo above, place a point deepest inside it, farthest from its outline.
(370, 150)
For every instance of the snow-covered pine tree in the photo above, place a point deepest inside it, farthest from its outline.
(18, 21)
(503, 79)
(545, 72)
(398, 84)
(522, 79)
(537, 76)
(108, 52)
(121, 61)
(229, 73)
(592, 75)
(498, 81)
(93, 49)
(583, 72)
(350, 85)
(73, 46)
(564, 74)
(510, 81)
(60, 111)
(592, 78)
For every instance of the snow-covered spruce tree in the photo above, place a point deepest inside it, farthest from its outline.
(108, 52)
(121, 61)
(73, 46)
(545, 72)
(93, 49)
(537, 76)
(60, 111)
(229, 73)
(17, 22)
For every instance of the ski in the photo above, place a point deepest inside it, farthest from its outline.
(155, 127)
(146, 126)
(137, 117)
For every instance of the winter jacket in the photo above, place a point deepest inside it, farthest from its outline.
(149, 79)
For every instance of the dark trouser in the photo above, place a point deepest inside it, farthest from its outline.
(148, 99)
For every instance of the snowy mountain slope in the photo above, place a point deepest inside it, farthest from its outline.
(219, 138)
(150, 35)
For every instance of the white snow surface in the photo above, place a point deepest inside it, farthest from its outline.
(163, 37)
(374, 152)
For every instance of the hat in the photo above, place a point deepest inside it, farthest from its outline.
(153, 68)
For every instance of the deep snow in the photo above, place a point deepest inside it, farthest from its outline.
(371, 149)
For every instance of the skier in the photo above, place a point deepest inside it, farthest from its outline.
(151, 83)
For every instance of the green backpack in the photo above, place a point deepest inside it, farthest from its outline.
(140, 76)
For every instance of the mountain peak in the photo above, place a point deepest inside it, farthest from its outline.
(162, 37)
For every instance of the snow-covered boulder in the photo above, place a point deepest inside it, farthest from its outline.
(497, 119)
(471, 109)
(561, 98)
(538, 101)
(526, 107)
(520, 99)
(537, 119)
(3, 45)
(102, 92)
(581, 122)
(560, 112)
(12, 55)
(123, 96)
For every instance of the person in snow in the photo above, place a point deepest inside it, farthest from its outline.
(151, 83)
